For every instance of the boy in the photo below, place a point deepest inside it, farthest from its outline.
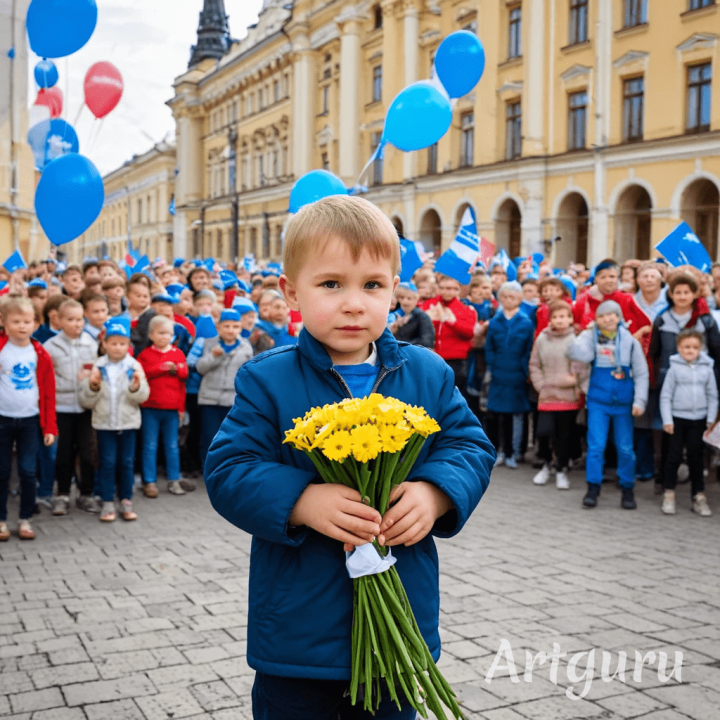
(507, 353)
(617, 392)
(163, 305)
(72, 282)
(114, 290)
(27, 402)
(550, 289)
(183, 304)
(73, 353)
(139, 311)
(38, 294)
(341, 263)
(529, 305)
(413, 326)
(688, 403)
(97, 312)
(199, 279)
(51, 326)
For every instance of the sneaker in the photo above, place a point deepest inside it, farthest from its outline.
(561, 481)
(700, 505)
(62, 504)
(174, 487)
(628, 499)
(500, 460)
(108, 512)
(187, 485)
(46, 502)
(543, 476)
(150, 490)
(25, 531)
(668, 506)
(4, 532)
(591, 496)
(511, 463)
(88, 503)
(127, 511)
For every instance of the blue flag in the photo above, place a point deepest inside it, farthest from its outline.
(141, 264)
(228, 278)
(171, 209)
(15, 262)
(683, 247)
(462, 254)
(503, 259)
(409, 258)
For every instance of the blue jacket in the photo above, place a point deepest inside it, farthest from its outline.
(279, 335)
(300, 615)
(507, 354)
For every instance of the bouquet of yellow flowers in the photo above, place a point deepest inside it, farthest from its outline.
(370, 445)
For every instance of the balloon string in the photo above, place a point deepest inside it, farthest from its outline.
(96, 135)
(373, 157)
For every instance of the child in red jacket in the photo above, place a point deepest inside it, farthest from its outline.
(166, 370)
(27, 407)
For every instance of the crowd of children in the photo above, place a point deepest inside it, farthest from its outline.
(105, 376)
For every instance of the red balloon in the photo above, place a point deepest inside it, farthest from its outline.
(52, 98)
(103, 88)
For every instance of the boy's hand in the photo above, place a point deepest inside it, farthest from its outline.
(217, 351)
(95, 379)
(338, 512)
(49, 440)
(636, 411)
(169, 367)
(669, 429)
(135, 383)
(419, 505)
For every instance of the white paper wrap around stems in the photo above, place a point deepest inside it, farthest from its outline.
(366, 560)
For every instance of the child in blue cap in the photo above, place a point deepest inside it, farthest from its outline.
(116, 388)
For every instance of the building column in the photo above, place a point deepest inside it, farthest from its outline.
(304, 84)
(349, 99)
(410, 33)
(534, 141)
(189, 180)
(532, 233)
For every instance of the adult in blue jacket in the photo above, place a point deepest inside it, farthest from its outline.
(301, 597)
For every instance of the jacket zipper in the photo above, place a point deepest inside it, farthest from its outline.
(383, 372)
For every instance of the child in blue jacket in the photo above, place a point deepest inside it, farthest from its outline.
(301, 597)
(617, 392)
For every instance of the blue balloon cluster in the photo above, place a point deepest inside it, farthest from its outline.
(46, 74)
(51, 139)
(57, 28)
(313, 186)
(69, 198)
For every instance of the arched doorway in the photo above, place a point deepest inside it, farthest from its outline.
(700, 203)
(633, 224)
(507, 228)
(571, 225)
(398, 223)
(431, 231)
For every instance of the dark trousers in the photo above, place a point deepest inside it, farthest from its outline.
(644, 453)
(191, 454)
(211, 418)
(280, 698)
(76, 437)
(116, 450)
(26, 434)
(688, 434)
(459, 368)
(562, 438)
(499, 428)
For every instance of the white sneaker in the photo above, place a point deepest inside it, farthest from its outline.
(543, 476)
(500, 459)
(700, 505)
(562, 482)
(668, 506)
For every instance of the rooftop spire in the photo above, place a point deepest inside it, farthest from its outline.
(213, 33)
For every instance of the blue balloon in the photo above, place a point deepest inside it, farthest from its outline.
(313, 186)
(69, 198)
(460, 62)
(50, 139)
(57, 28)
(418, 117)
(46, 74)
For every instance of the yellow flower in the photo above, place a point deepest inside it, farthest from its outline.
(365, 443)
(394, 438)
(337, 446)
(298, 438)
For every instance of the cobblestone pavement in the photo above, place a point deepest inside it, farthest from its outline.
(147, 620)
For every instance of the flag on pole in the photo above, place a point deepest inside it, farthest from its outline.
(683, 247)
(487, 250)
(409, 258)
(462, 254)
(141, 264)
(15, 262)
(503, 259)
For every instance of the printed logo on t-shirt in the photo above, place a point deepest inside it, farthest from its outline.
(22, 376)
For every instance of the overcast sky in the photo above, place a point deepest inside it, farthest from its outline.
(149, 41)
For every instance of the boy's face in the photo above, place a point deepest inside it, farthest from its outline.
(449, 290)
(551, 292)
(475, 294)
(161, 336)
(407, 300)
(92, 275)
(116, 347)
(164, 276)
(530, 292)
(203, 306)
(682, 297)
(107, 273)
(497, 279)
(689, 349)
(510, 300)
(200, 280)
(19, 326)
(72, 322)
(426, 289)
(627, 275)
(97, 313)
(256, 292)
(344, 302)
(279, 312)
(248, 320)
(114, 294)
(73, 283)
(39, 299)
(561, 320)
(264, 307)
(607, 322)
(649, 281)
(486, 289)
(607, 281)
(164, 309)
(185, 304)
(138, 297)
(229, 331)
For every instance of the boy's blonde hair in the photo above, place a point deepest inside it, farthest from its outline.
(69, 304)
(15, 304)
(158, 321)
(356, 221)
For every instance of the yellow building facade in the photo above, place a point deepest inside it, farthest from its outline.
(138, 196)
(593, 131)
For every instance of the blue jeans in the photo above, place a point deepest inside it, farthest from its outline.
(281, 698)
(154, 422)
(25, 433)
(46, 469)
(211, 418)
(117, 452)
(599, 417)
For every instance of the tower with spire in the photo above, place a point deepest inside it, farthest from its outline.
(213, 33)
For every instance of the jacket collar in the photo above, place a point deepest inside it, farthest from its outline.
(389, 352)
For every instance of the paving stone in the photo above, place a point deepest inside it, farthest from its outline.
(64, 713)
(36, 700)
(64, 675)
(132, 686)
(118, 710)
(176, 704)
